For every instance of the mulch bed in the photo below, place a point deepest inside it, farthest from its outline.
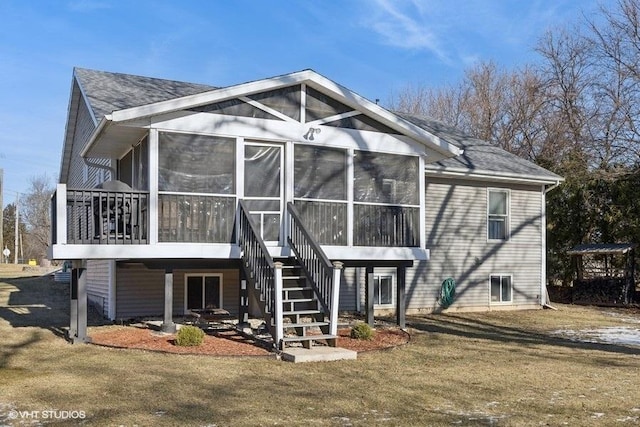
(228, 342)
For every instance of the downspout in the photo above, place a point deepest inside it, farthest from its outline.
(546, 190)
(544, 294)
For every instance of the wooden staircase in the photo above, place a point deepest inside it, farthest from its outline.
(298, 296)
(305, 321)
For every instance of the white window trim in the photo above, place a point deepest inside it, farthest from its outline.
(501, 275)
(187, 275)
(394, 281)
(507, 217)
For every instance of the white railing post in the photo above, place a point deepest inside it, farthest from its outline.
(335, 298)
(277, 309)
(61, 214)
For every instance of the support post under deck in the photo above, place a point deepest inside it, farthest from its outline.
(167, 323)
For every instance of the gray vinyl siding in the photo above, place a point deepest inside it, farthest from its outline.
(140, 291)
(456, 228)
(98, 284)
(348, 291)
(83, 129)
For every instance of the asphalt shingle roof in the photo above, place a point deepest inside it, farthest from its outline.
(108, 92)
(479, 155)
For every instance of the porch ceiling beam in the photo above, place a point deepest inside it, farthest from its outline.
(378, 263)
(334, 118)
(267, 109)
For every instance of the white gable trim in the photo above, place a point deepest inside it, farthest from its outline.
(85, 99)
(307, 77)
(216, 95)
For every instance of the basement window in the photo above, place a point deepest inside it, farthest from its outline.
(501, 288)
(383, 290)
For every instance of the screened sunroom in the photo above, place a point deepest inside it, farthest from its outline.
(352, 173)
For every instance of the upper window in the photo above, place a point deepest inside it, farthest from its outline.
(385, 178)
(498, 215)
(320, 173)
(320, 106)
(501, 288)
(132, 168)
(191, 163)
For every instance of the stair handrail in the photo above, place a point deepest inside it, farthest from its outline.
(260, 264)
(324, 276)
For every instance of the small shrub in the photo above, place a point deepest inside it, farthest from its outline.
(189, 336)
(362, 331)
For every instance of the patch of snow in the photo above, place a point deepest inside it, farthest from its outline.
(623, 317)
(620, 335)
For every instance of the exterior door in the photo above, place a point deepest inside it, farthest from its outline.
(203, 291)
(264, 188)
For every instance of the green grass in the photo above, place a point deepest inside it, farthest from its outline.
(498, 368)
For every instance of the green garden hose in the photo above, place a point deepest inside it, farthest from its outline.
(447, 292)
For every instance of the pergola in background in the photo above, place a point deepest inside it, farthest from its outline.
(604, 272)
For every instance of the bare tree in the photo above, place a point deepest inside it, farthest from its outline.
(35, 212)
(504, 108)
(617, 49)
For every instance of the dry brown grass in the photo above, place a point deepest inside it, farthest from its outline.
(500, 368)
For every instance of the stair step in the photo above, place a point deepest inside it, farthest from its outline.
(309, 338)
(297, 288)
(305, 325)
(293, 277)
(297, 300)
(301, 312)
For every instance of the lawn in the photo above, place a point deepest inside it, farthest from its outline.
(498, 368)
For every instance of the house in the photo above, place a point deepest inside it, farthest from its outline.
(286, 197)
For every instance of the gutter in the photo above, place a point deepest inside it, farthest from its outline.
(485, 175)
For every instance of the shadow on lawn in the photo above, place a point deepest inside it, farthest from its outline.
(477, 329)
(39, 302)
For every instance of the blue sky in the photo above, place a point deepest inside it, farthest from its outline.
(373, 47)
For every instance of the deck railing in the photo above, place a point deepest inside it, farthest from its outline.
(194, 218)
(105, 217)
(323, 275)
(259, 264)
(387, 226)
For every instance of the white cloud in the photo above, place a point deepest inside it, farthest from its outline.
(404, 24)
(459, 33)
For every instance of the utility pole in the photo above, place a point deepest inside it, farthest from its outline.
(15, 245)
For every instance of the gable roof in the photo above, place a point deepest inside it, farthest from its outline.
(113, 97)
(107, 92)
(480, 158)
(308, 77)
